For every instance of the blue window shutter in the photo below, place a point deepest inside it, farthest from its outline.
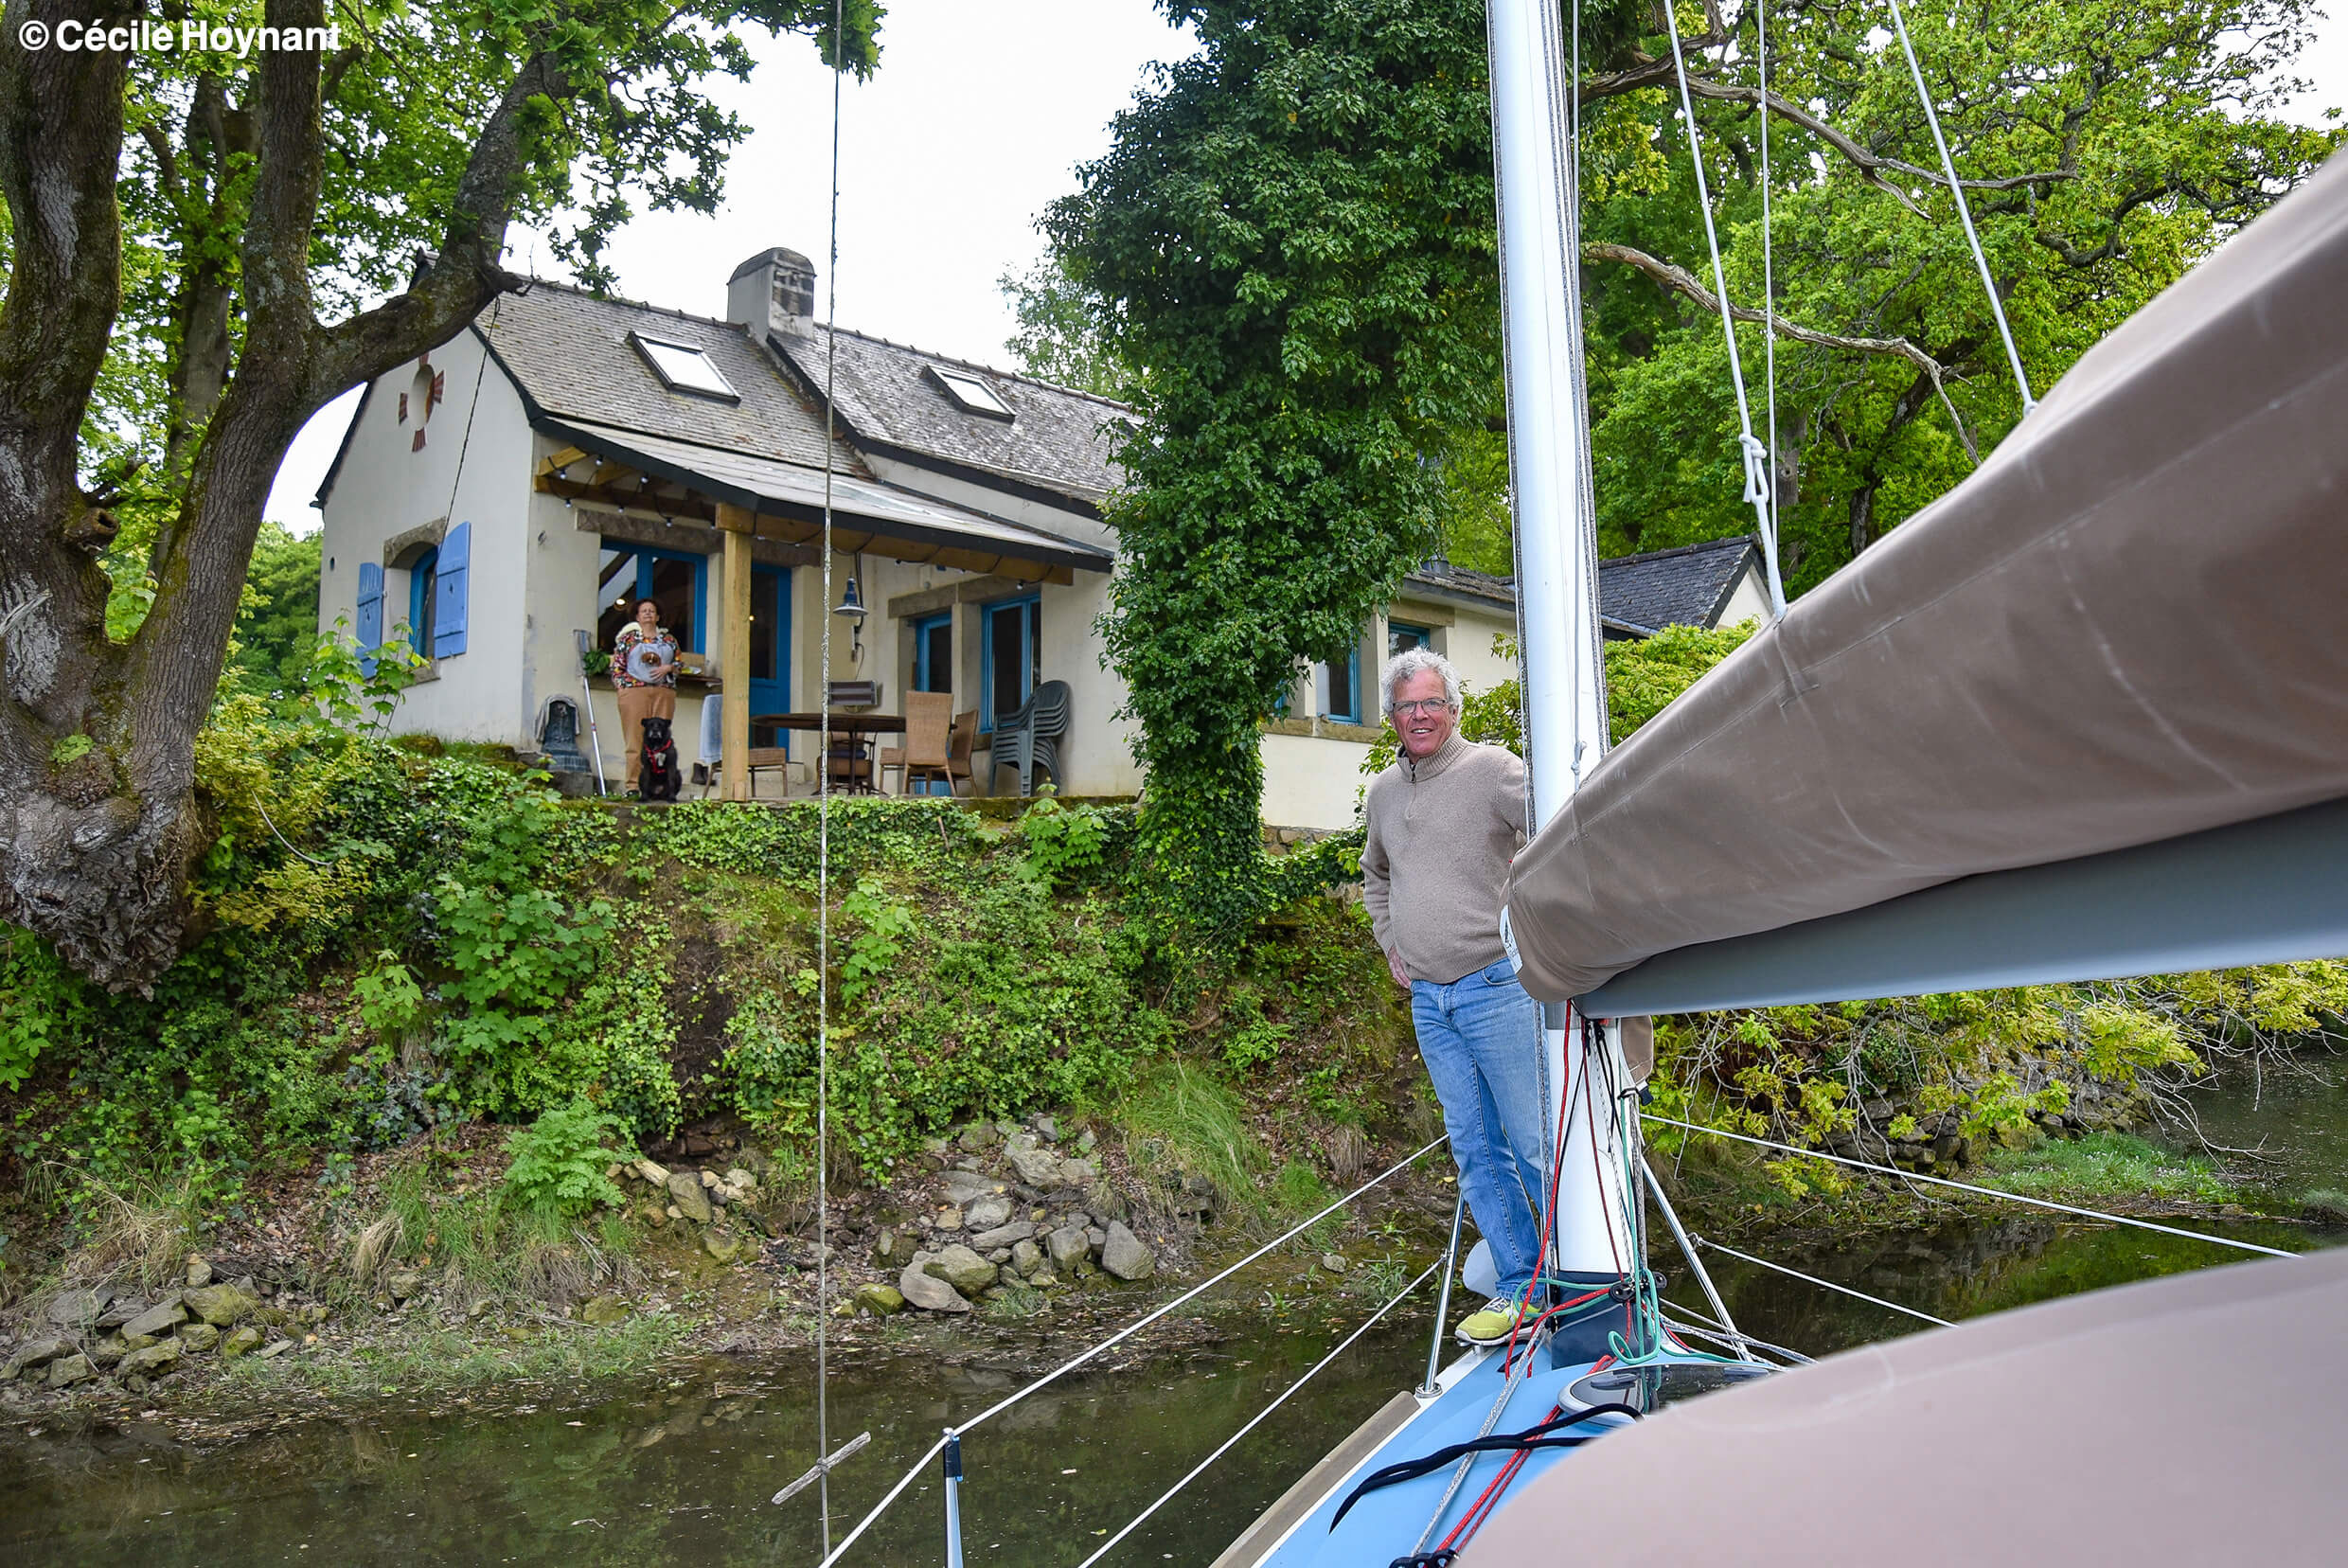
(449, 593)
(370, 614)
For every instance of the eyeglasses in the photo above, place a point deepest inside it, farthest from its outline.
(1425, 705)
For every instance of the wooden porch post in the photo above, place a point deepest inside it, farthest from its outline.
(739, 523)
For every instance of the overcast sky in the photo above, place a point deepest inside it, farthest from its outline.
(978, 115)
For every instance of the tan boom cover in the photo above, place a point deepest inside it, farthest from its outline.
(2130, 624)
(2197, 1419)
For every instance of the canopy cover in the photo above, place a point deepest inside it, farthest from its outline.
(2129, 625)
(2193, 1420)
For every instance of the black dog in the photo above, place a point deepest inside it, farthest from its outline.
(658, 777)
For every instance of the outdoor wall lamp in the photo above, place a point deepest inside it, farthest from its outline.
(852, 605)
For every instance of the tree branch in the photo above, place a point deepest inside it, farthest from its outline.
(1681, 281)
(1872, 167)
(465, 275)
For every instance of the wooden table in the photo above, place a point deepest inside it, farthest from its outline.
(858, 728)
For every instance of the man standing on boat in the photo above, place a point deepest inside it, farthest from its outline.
(1444, 819)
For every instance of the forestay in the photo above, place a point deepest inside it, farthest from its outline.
(2128, 627)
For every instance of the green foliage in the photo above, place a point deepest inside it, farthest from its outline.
(1292, 233)
(1178, 1122)
(781, 841)
(2107, 1165)
(515, 949)
(2111, 104)
(1058, 339)
(1643, 675)
(557, 1164)
(1993, 1063)
(1063, 842)
(880, 925)
(277, 626)
(1250, 1037)
(41, 1002)
(978, 994)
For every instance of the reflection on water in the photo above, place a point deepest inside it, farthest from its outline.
(682, 1476)
(2294, 1114)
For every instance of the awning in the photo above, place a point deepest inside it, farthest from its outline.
(2128, 627)
(866, 515)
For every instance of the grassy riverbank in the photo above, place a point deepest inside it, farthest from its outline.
(403, 1082)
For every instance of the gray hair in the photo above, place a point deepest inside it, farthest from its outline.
(1417, 661)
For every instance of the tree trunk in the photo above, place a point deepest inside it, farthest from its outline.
(100, 820)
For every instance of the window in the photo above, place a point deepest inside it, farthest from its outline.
(1012, 661)
(1401, 638)
(971, 393)
(676, 582)
(682, 367)
(933, 653)
(1338, 688)
(423, 583)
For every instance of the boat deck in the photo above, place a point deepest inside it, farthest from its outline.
(1387, 1525)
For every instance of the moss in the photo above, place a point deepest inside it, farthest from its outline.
(2107, 1165)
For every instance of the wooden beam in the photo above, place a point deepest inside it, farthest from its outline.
(560, 460)
(626, 496)
(733, 652)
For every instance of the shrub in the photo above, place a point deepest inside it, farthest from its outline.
(1063, 842)
(557, 1170)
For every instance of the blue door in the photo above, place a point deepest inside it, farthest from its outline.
(770, 651)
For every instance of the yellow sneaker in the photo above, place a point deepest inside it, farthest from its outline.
(1492, 1323)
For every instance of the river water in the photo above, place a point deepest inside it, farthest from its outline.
(682, 1473)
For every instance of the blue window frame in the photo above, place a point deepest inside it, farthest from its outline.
(1339, 687)
(1401, 638)
(932, 652)
(677, 580)
(423, 576)
(1011, 657)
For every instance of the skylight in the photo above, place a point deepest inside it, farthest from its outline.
(971, 393)
(684, 368)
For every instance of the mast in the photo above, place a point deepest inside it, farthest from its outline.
(1557, 555)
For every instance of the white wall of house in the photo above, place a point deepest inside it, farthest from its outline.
(1311, 780)
(385, 488)
(1749, 601)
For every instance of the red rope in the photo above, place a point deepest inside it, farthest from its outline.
(1490, 1498)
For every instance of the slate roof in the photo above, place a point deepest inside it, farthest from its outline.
(1689, 586)
(1637, 594)
(569, 352)
(1058, 441)
(957, 536)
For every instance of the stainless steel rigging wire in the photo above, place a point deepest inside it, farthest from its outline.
(823, 817)
(1967, 1186)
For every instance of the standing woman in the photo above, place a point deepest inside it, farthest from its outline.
(644, 677)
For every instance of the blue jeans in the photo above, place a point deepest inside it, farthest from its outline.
(1480, 1036)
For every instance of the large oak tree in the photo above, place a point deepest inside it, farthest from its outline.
(203, 249)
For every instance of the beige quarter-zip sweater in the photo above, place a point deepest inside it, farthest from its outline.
(1435, 864)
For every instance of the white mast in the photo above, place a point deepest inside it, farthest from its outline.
(1555, 542)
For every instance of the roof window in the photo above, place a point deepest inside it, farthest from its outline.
(682, 367)
(971, 394)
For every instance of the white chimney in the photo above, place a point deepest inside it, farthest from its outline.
(773, 292)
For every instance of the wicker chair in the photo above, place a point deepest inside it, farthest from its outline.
(929, 736)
